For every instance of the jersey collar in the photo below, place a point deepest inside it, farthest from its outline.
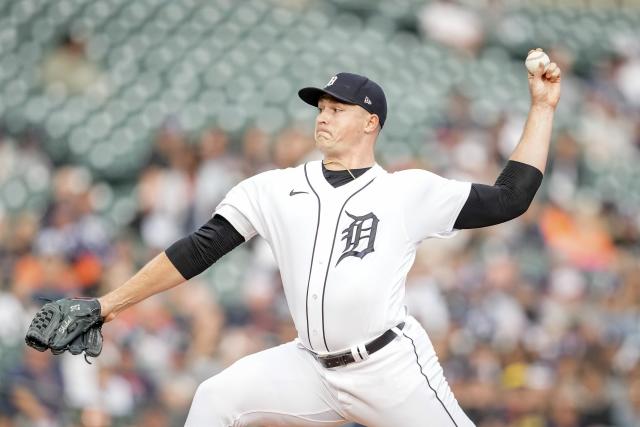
(318, 181)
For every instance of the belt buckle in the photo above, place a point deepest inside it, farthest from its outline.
(334, 361)
(327, 362)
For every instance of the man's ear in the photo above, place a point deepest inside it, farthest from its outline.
(373, 123)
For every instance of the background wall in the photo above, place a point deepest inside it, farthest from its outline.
(123, 124)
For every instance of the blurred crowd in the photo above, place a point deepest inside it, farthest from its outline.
(536, 322)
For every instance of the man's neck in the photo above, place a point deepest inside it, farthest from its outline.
(347, 155)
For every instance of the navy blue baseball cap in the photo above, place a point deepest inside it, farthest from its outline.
(352, 89)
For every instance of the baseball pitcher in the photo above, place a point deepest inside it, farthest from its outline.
(344, 233)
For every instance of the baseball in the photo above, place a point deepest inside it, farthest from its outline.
(534, 58)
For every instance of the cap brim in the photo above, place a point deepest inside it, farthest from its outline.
(311, 95)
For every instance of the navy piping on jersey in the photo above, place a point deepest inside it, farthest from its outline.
(313, 252)
(428, 383)
(324, 337)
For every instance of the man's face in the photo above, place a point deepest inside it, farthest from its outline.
(338, 125)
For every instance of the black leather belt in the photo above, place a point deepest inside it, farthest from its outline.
(341, 359)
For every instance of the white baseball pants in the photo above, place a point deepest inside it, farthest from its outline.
(401, 385)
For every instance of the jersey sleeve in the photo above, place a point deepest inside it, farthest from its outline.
(431, 203)
(242, 207)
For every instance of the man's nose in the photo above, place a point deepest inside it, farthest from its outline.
(323, 117)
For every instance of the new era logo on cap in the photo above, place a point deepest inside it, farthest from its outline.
(353, 89)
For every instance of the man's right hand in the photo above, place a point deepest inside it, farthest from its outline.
(544, 85)
(106, 310)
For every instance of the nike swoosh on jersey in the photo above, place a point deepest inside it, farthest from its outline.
(293, 193)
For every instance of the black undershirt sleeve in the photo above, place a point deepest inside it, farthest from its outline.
(508, 198)
(198, 251)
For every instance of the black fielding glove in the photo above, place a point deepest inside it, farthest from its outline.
(72, 324)
(42, 327)
(90, 342)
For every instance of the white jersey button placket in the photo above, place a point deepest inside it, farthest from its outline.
(319, 274)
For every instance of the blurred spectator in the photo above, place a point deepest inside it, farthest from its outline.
(628, 407)
(579, 236)
(453, 25)
(13, 317)
(153, 415)
(168, 142)
(68, 69)
(35, 387)
(255, 152)
(164, 217)
(218, 171)
(595, 402)
(627, 81)
(291, 147)
(563, 409)
(427, 304)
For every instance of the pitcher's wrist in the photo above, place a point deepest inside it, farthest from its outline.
(542, 107)
(106, 309)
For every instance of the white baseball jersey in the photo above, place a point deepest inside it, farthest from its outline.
(344, 253)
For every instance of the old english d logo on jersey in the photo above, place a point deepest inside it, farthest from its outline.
(360, 236)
